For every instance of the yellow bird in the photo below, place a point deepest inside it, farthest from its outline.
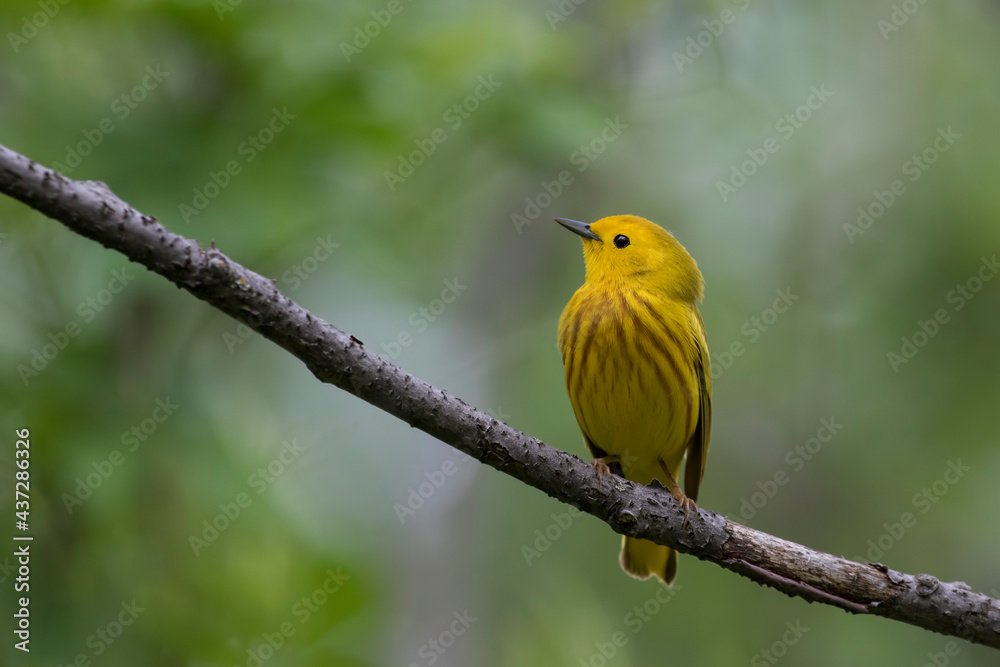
(637, 367)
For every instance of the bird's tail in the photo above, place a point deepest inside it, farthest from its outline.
(643, 559)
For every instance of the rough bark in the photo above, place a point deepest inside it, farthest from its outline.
(92, 210)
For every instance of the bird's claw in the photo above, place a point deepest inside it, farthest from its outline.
(601, 468)
(689, 506)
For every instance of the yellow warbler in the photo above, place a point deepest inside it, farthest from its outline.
(637, 367)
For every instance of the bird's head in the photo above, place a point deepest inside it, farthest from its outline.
(626, 248)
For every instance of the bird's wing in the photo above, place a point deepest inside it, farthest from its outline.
(697, 452)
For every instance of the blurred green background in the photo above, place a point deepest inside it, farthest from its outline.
(426, 558)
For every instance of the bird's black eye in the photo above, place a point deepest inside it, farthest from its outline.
(621, 241)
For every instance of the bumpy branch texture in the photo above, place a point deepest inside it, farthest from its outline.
(89, 208)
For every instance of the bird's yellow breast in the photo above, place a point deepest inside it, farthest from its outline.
(629, 360)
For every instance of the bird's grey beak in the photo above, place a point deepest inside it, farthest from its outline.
(581, 228)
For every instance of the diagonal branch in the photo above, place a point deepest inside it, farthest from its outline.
(92, 210)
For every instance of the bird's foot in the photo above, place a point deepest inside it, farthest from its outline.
(686, 503)
(601, 465)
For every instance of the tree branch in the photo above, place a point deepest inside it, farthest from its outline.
(92, 210)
